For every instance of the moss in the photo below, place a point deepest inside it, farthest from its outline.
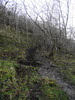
(66, 67)
(18, 86)
(28, 74)
(51, 90)
(18, 82)
(7, 78)
(10, 86)
(11, 49)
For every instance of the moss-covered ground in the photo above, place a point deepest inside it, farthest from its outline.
(22, 82)
(66, 65)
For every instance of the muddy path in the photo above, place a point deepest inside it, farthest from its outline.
(49, 70)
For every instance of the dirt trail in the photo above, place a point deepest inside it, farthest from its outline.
(49, 70)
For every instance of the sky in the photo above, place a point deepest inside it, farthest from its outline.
(71, 21)
(40, 4)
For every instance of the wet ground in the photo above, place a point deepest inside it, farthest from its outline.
(49, 70)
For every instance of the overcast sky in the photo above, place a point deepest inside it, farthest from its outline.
(71, 22)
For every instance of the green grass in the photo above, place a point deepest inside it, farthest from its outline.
(18, 81)
(7, 78)
(52, 91)
(66, 64)
(10, 49)
(10, 86)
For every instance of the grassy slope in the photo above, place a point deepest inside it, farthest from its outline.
(20, 83)
(17, 82)
(66, 65)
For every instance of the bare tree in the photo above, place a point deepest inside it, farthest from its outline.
(66, 18)
(46, 21)
(51, 21)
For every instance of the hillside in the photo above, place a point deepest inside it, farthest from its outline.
(37, 51)
(20, 81)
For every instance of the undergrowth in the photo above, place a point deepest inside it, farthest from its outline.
(66, 64)
(19, 81)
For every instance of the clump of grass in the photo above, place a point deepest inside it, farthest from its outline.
(18, 81)
(66, 65)
(51, 90)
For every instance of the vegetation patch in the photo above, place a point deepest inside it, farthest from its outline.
(66, 65)
(22, 82)
(51, 90)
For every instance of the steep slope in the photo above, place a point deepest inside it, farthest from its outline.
(19, 81)
(52, 71)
